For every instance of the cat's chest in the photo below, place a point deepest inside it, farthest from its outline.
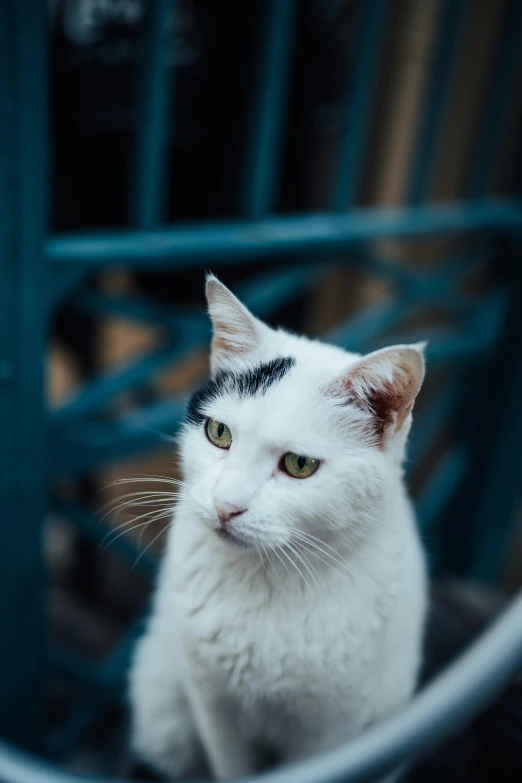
(269, 641)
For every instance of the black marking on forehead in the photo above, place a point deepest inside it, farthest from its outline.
(245, 384)
(261, 378)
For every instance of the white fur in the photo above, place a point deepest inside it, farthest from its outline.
(291, 644)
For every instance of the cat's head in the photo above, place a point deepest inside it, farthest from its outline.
(293, 440)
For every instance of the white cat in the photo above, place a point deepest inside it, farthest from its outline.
(289, 611)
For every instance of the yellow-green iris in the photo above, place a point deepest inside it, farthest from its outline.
(218, 434)
(299, 466)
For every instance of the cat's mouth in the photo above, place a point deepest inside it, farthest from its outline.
(225, 534)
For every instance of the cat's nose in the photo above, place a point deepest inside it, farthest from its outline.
(226, 511)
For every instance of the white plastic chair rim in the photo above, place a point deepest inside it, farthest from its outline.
(461, 691)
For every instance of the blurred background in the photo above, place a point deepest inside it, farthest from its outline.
(351, 169)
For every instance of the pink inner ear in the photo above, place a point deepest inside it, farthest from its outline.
(389, 401)
(379, 400)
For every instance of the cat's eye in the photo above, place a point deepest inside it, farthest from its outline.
(218, 434)
(299, 466)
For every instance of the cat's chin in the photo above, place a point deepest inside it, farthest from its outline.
(232, 540)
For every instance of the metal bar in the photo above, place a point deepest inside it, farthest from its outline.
(476, 336)
(390, 268)
(268, 103)
(437, 415)
(154, 118)
(370, 31)
(374, 15)
(81, 667)
(444, 706)
(23, 279)
(75, 450)
(63, 281)
(90, 524)
(440, 487)
(438, 280)
(126, 377)
(500, 96)
(92, 444)
(499, 492)
(361, 330)
(109, 675)
(265, 293)
(116, 665)
(135, 308)
(192, 246)
(442, 282)
(109, 680)
(444, 345)
(269, 291)
(451, 23)
(63, 740)
(489, 317)
(366, 325)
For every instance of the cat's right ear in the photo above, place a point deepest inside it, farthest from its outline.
(236, 333)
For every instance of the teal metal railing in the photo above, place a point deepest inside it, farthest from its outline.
(38, 271)
(24, 280)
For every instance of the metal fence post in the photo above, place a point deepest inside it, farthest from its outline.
(23, 292)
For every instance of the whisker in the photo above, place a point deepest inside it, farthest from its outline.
(340, 561)
(310, 537)
(348, 572)
(303, 561)
(151, 543)
(273, 567)
(278, 549)
(152, 516)
(325, 546)
(266, 551)
(266, 556)
(261, 555)
(114, 530)
(154, 510)
(167, 514)
(139, 499)
(135, 527)
(300, 575)
(328, 564)
(150, 478)
(269, 556)
(148, 493)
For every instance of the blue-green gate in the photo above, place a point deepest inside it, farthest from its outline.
(38, 270)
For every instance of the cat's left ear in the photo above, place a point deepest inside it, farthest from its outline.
(236, 333)
(385, 384)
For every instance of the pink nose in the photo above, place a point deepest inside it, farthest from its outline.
(226, 511)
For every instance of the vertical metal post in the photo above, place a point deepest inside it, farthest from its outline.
(452, 16)
(498, 493)
(23, 286)
(374, 16)
(488, 501)
(503, 90)
(266, 118)
(153, 120)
